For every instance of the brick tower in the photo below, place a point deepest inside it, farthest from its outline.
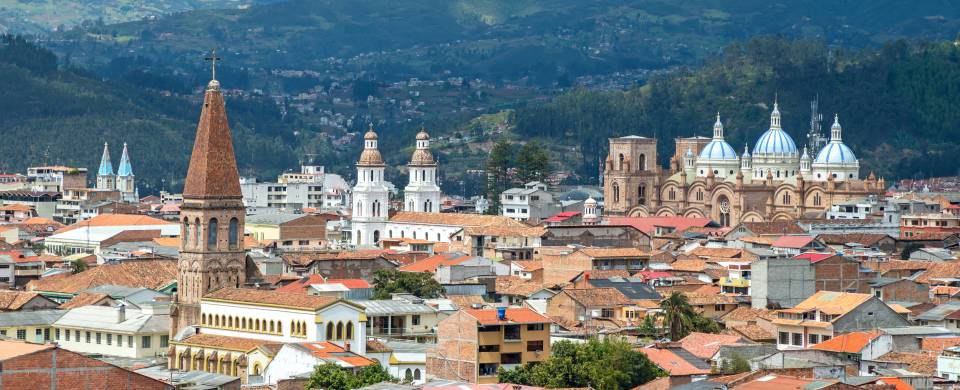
(211, 218)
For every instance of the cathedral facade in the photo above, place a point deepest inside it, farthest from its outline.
(707, 178)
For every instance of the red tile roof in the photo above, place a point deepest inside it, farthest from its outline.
(300, 286)
(814, 257)
(116, 220)
(649, 224)
(330, 351)
(705, 345)
(672, 363)
(247, 295)
(213, 166)
(14, 300)
(792, 242)
(152, 274)
(852, 342)
(562, 216)
(431, 263)
(513, 316)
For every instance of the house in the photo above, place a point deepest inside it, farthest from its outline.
(504, 242)
(36, 366)
(634, 289)
(770, 228)
(946, 315)
(839, 241)
(470, 269)
(34, 326)
(360, 264)
(562, 266)
(713, 305)
(11, 300)
(899, 290)
(792, 245)
(780, 282)
(859, 346)
(932, 254)
(87, 236)
(614, 236)
(682, 367)
(525, 269)
(594, 307)
(297, 358)
(158, 275)
(826, 314)
(115, 330)
(404, 317)
(531, 203)
(838, 273)
(291, 231)
(948, 364)
(472, 345)
(706, 345)
(404, 360)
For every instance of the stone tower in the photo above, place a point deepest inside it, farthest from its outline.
(422, 193)
(125, 178)
(212, 216)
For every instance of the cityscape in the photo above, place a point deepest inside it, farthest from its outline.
(424, 214)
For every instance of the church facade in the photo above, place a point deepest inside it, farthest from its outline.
(707, 178)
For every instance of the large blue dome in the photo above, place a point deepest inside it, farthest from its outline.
(775, 141)
(836, 153)
(718, 149)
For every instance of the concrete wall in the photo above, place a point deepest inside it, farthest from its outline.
(783, 281)
(871, 314)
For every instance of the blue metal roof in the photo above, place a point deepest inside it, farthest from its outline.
(718, 149)
(106, 167)
(125, 168)
(775, 141)
(836, 153)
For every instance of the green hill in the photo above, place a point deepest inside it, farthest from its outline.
(898, 105)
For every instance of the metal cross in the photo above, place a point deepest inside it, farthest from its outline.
(213, 62)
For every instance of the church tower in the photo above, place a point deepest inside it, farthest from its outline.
(106, 180)
(212, 216)
(422, 193)
(371, 197)
(125, 178)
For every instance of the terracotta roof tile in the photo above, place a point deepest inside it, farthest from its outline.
(330, 351)
(938, 344)
(302, 284)
(728, 253)
(865, 239)
(513, 316)
(689, 265)
(792, 241)
(514, 285)
(455, 219)
(748, 314)
(223, 342)
(431, 263)
(246, 295)
(529, 265)
(946, 269)
(832, 302)
(852, 342)
(14, 300)
(13, 348)
(672, 363)
(505, 231)
(773, 227)
(84, 299)
(116, 220)
(923, 363)
(614, 252)
(753, 332)
(705, 345)
(598, 297)
(152, 274)
(710, 299)
(213, 165)
(466, 301)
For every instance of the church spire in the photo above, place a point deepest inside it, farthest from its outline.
(106, 167)
(718, 128)
(125, 168)
(213, 166)
(775, 115)
(835, 130)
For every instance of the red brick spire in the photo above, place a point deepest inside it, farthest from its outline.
(213, 166)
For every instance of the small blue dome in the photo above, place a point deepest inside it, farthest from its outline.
(775, 141)
(717, 149)
(836, 153)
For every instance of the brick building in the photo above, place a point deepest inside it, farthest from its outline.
(473, 344)
(900, 290)
(44, 366)
(838, 273)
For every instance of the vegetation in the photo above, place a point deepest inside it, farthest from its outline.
(680, 318)
(607, 364)
(387, 282)
(330, 376)
(78, 266)
(908, 249)
(734, 365)
(898, 115)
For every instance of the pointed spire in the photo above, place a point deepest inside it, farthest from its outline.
(213, 165)
(746, 150)
(836, 130)
(718, 128)
(805, 156)
(775, 115)
(106, 167)
(125, 168)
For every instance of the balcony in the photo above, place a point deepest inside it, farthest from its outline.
(734, 282)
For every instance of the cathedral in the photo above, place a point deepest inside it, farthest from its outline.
(122, 181)
(371, 196)
(706, 178)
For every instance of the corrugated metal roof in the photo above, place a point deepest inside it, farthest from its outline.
(105, 318)
(392, 307)
(23, 318)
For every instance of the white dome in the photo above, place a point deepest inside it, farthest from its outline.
(718, 149)
(775, 141)
(836, 153)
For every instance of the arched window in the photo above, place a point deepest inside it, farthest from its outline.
(234, 233)
(359, 238)
(620, 162)
(408, 375)
(329, 331)
(786, 198)
(616, 192)
(672, 195)
(196, 233)
(816, 199)
(643, 162)
(642, 194)
(411, 206)
(339, 331)
(256, 368)
(724, 211)
(376, 236)
(243, 323)
(186, 232)
(350, 331)
(416, 374)
(212, 234)
(438, 237)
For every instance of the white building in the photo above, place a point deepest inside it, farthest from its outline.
(297, 358)
(295, 191)
(855, 209)
(531, 203)
(86, 236)
(422, 193)
(115, 330)
(371, 196)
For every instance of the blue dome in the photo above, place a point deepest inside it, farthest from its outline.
(836, 153)
(775, 141)
(717, 149)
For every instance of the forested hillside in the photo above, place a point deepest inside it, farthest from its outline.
(52, 114)
(899, 105)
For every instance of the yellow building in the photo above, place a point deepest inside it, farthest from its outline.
(34, 326)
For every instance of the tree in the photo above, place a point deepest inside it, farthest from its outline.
(389, 282)
(330, 376)
(498, 166)
(78, 266)
(609, 364)
(677, 315)
(908, 249)
(533, 164)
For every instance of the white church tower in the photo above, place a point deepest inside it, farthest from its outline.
(125, 178)
(371, 197)
(106, 179)
(422, 193)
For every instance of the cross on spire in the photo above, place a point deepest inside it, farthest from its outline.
(213, 63)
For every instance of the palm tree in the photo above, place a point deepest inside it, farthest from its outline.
(678, 315)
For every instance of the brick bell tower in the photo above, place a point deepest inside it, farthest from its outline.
(212, 216)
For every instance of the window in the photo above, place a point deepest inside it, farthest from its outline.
(65, 333)
(415, 319)
(606, 313)
(797, 339)
(489, 348)
(87, 337)
(511, 332)
(98, 337)
(145, 342)
(57, 334)
(813, 339)
(492, 328)
(488, 369)
(303, 242)
(22, 334)
(784, 338)
(535, 327)
(164, 341)
(119, 340)
(616, 193)
(234, 233)
(76, 335)
(535, 346)
(212, 234)
(109, 339)
(718, 307)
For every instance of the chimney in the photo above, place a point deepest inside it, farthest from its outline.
(121, 313)
(502, 313)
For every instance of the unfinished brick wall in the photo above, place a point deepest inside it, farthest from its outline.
(62, 369)
(455, 356)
